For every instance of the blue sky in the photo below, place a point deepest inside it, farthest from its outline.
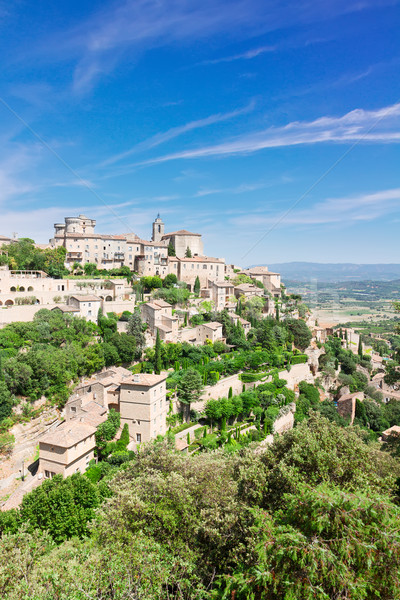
(272, 127)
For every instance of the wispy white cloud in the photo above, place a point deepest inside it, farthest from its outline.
(382, 125)
(174, 132)
(343, 210)
(249, 54)
(239, 189)
(124, 30)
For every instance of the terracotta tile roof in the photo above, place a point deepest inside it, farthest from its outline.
(145, 379)
(203, 259)
(68, 434)
(164, 328)
(87, 298)
(395, 430)
(181, 444)
(162, 304)
(180, 232)
(222, 284)
(212, 325)
(65, 308)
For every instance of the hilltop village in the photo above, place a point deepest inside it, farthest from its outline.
(157, 339)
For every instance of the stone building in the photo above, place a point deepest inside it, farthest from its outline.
(209, 331)
(205, 268)
(271, 281)
(158, 315)
(183, 240)
(221, 293)
(144, 406)
(35, 287)
(67, 450)
(88, 306)
(248, 290)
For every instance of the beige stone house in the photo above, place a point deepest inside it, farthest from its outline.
(248, 290)
(245, 324)
(88, 306)
(158, 315)
(144, 406)
(209, 331)
(271, 281)
(205, 268)
(67, 450)
(221, 293)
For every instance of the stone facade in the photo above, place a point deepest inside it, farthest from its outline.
(143, 406)
(346, 405)
(221, 293)
(67, 450)
(88, 306)
(271, 281)
(158, 315)
(205, 268)
(209, 331)
(182, 240)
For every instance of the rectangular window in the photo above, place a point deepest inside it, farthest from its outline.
(138, 437)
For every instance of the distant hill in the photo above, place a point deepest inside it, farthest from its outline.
(331, 272)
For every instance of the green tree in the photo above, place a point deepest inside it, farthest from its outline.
(196, 287)
(189, 389)
(170, 280)
(157, 354)
(135, 329)
(188, 253)
(171, 249)
(60, 506)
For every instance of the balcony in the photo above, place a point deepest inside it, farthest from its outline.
(119, 255)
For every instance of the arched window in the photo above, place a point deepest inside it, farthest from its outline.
(30, 289)
(22, 289)
(13, 289)
(9, 302)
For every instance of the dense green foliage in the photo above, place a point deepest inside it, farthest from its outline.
(45, 356)
(23, 255)
(311, 517)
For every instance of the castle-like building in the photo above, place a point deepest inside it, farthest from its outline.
(84, 245)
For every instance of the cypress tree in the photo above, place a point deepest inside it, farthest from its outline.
(171, 250)
(157, 356)
(196, 287)
(360, 347)
(188, 253)
(230, 393)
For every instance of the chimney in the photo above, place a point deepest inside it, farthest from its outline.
(136, 378)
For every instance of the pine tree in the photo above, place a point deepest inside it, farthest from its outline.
(157, 355)
(196, 288)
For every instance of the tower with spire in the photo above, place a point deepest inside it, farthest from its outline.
(158, 229)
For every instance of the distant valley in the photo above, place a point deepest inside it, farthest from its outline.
(335, 272)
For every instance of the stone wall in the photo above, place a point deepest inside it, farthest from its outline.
(220, 390)
(347, 408)
(284, 423)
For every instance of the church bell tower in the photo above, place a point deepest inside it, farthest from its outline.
(158, 229)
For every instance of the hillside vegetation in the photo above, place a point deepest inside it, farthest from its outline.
(314, 516)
